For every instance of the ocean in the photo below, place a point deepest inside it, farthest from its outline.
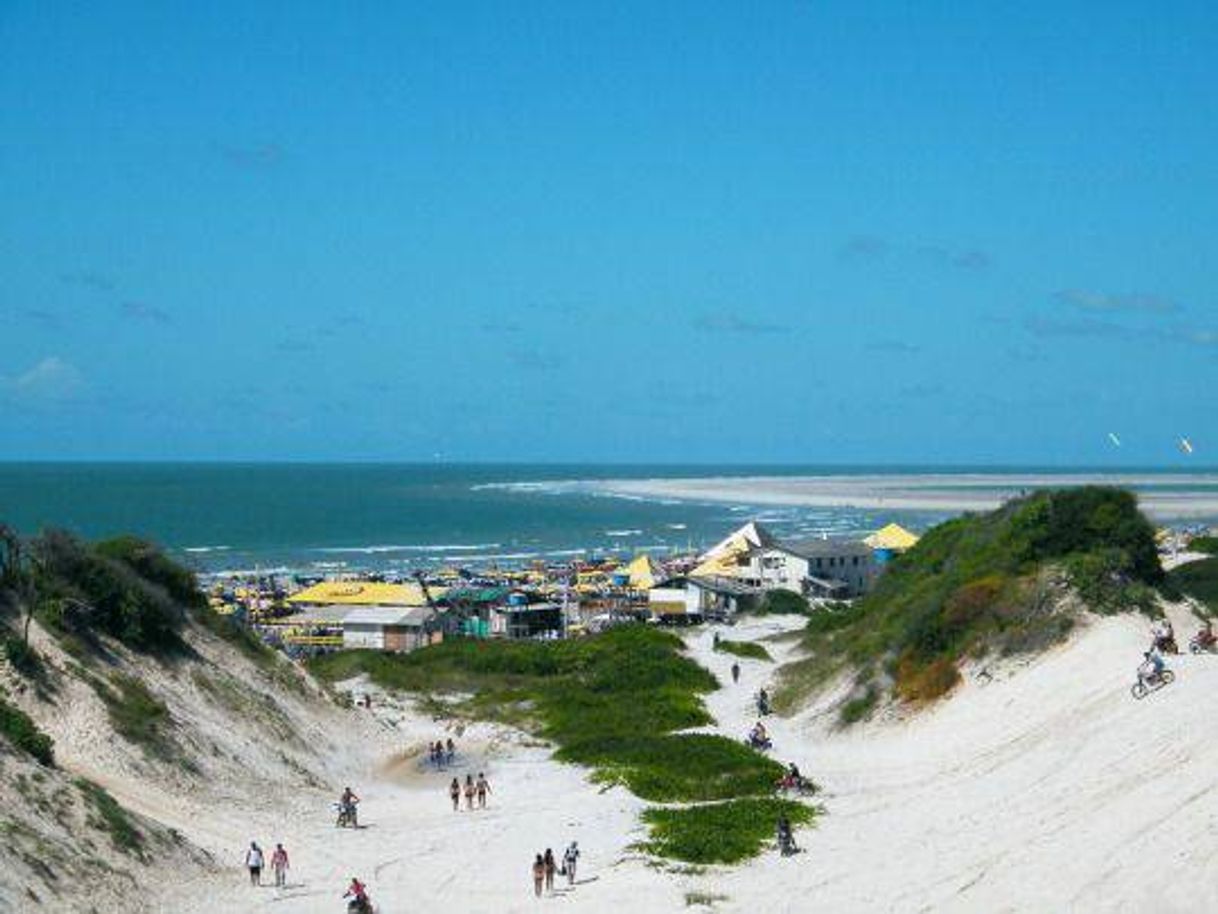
(317, 517)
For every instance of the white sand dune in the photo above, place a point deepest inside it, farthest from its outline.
(1047, 788)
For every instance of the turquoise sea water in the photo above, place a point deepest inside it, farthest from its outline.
(302, 516)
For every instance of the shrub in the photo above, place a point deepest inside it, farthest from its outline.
(82, 588)
(916, 681)
(21, 731)
(23, 658)
(152, 565)
(781, 602)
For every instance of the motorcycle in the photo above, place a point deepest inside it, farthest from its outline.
(1167, 645)
(1200, 645)
(761, 744)
(1151, 683)
(800, 786)
(347, 817)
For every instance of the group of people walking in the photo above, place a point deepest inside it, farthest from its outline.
(546, 867)
(471, 790)
(255, 861)
(442, 753)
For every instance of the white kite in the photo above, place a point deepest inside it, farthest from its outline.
(1112, 436)
(1186, 446)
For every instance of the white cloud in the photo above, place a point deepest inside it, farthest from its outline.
(52, 380)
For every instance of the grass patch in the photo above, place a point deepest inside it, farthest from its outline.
(22, 733)
(720, 832)
(111, 818)
(692, 767)
(703, 899)
(861, 706)
(749, 649)
(136, 714)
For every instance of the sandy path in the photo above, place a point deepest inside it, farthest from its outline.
(1046, 789)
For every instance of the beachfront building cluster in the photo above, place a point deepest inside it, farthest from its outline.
(557, 601)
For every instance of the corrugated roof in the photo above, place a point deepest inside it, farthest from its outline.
(815, 548)
(388, 615)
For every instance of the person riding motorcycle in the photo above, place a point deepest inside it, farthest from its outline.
(347, 803)
(1206, 636)
(758, 738)
(1165, 637)
(791, 779)
(1151, 668)
(360, 903)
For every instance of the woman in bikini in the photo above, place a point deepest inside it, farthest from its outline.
(454, 791)
(539, 875)
(483, 787)
(469, 792)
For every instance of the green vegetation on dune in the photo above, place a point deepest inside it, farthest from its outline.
(1206, 544)
(1198, 580)
(22, 733)
(982, 583)
(719, 832)
(110, 817)
(749, 649)
(86, 588)
(611, 702)
(136, 714)
(693, 767)
(781, 602)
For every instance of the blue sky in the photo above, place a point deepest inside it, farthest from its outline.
(790, 231)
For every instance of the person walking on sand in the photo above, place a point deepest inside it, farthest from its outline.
(470, 789)
(551, 869)
(735, 672)
(483, 787)
(279, 866)
(451, 751)
(569, 859)
(253, 860)
(539, 875)
(454, 791)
